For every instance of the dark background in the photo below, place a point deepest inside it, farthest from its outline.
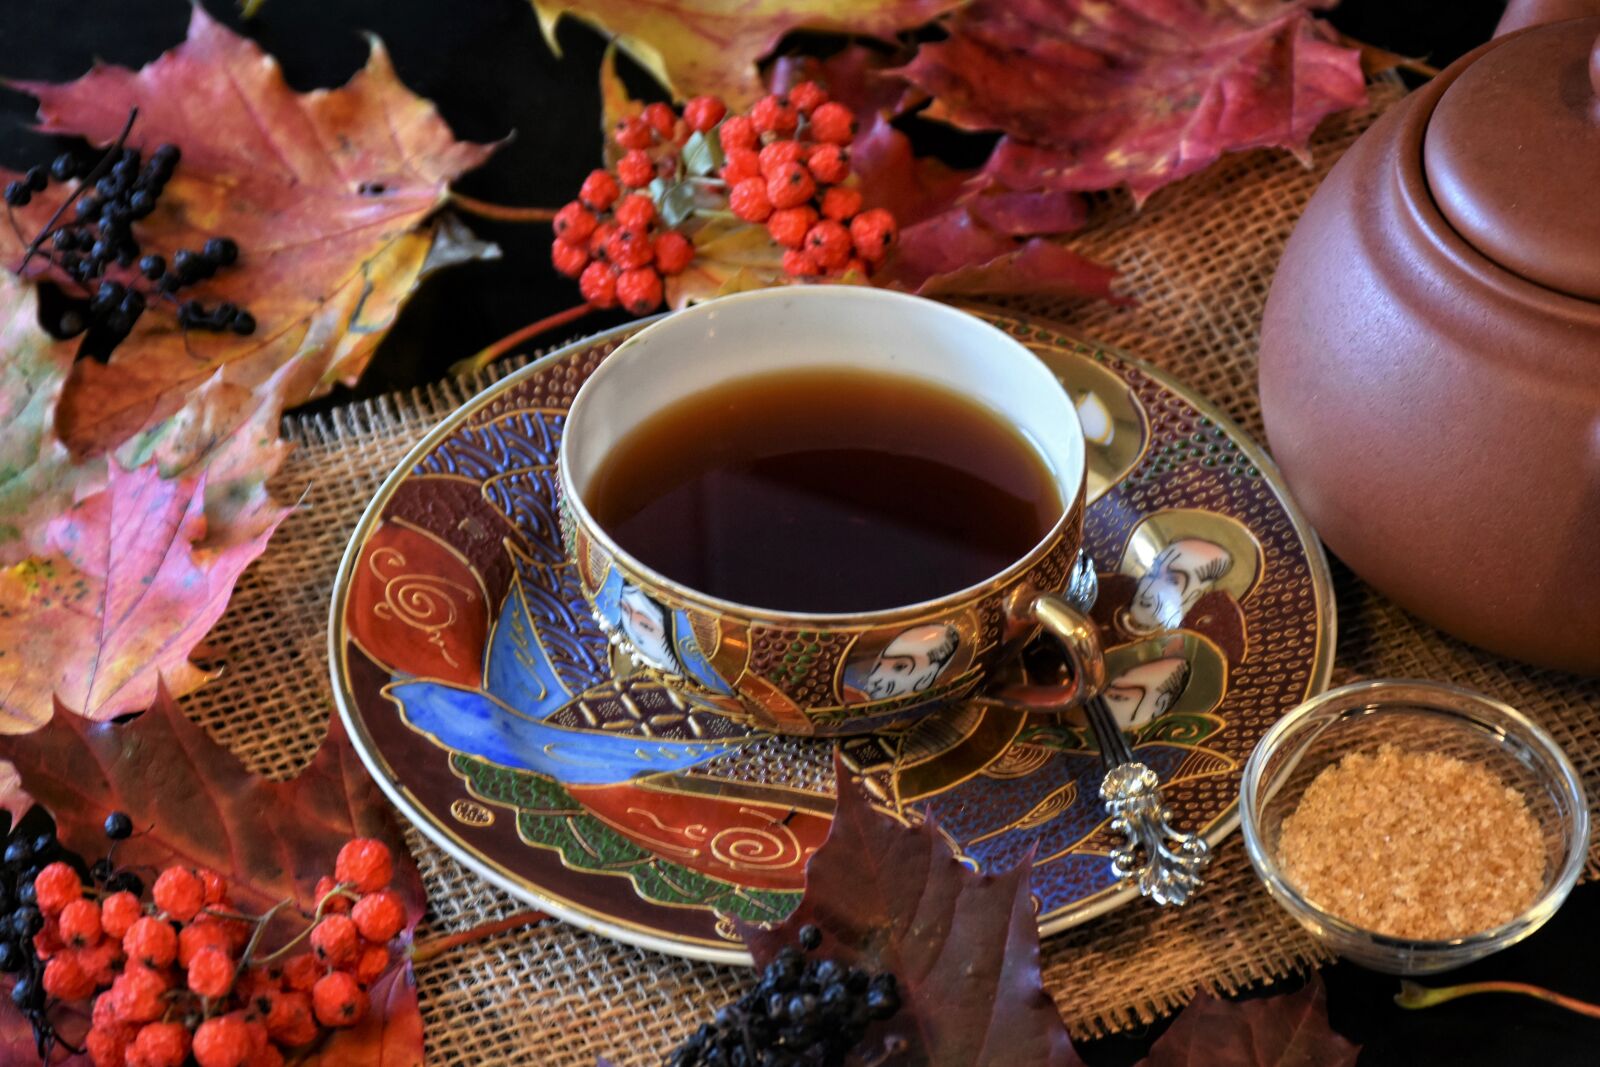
(486, 65)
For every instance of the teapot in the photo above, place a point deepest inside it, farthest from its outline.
(1430, 351)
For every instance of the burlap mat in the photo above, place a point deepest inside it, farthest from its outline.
(1197, 259)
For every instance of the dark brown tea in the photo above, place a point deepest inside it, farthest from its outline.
(827, 490)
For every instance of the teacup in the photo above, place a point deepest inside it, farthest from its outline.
(827, 674)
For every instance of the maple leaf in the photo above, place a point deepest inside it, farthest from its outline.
(326, 193)
(1142, 94)
(973, 232)
(271, 840)
(124, 593)
(1288, 1030)
(37, 475)
(964, 946)
(711, 46)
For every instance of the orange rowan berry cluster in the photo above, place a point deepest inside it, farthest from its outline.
(613, 241)
(784, 165)
(180, 980)
(788, 165)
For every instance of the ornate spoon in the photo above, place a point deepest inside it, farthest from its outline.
(1167, 864)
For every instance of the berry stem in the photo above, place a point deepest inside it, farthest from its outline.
(423, 951)
(258, 932)
(1412, 995)
(93, 176)
(503, 212)
(475, 363)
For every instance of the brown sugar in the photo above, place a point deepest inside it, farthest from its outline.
(1416, 845)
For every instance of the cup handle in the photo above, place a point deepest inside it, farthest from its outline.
(1079, 640)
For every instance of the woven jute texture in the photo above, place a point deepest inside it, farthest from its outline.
(1197, 259)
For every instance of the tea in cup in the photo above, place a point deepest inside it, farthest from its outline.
(827, 509)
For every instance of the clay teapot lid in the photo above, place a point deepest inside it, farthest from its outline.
(1512, 155)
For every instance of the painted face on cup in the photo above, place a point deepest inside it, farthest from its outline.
(644, 623)
(912, 661)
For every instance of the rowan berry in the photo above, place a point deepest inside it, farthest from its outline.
(366, 863)
(597, 250)
(159, 1045)
(833, 123)
(210, 973)
(790, 186)
(380, 916)
(214, 886)
(829, 242)
(338, 1000)
(151, 941)
(66, 979)
(335, 940)
(180, 893)
(371, 964)
(599, 190)
(807, 97)
(79, 923)
(635, 210)
(841, 203)
(737, 131)
(55, 887)
(568, 258)
(302, 972)
(101, 961)
(674, 252)
(749, 201)
(779, 154)
(574, 223)
(661, 118)
(324, 893)
(290, 1020)
(47, 942)
(118, 912)
(108, 1045)
(704, 112)
(633, 133)
(103, 1016)
(774, 114)
(788, 227)
(829, 163)
(223, 1041)
(635, 169)
(201, 935)
(265, 1056)
(137, 994)
(872, 233)
(639, 290)
(800, 264)
(741, 163)
(598, 285)
(629, 248)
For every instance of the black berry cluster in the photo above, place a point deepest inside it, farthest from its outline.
(804, 1012)
(92, 236)
(29, 847)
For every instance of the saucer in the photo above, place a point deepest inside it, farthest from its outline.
(490, 708)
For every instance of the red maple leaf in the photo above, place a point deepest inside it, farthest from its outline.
(1142, 94)
(126, 588)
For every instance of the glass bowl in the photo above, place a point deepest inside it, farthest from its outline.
(1414, 716)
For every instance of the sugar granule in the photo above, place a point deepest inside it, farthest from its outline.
(1413, 844)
